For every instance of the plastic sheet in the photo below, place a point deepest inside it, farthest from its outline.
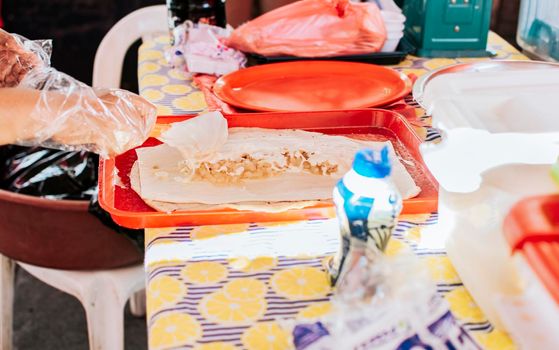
(48, 173)
(68, 114)
(385, 303)
(313, 28)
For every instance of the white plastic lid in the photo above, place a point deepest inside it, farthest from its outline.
(490, 119)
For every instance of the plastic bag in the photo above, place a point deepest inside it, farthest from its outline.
(313, 28)
(48, 173)
(385, 304)
(199, 48)
(68, 114)
(135, 236)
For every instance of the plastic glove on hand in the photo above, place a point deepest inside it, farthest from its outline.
(108, 122)
(58, 111)
(15, 60)
(131, 119)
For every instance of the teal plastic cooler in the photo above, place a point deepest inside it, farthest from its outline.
(447, 28)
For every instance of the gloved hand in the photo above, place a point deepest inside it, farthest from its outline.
(15, 60)
(74, 116)
(66, 113)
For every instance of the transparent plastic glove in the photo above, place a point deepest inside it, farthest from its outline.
(73, 116)
(18, 56)
(68, 114)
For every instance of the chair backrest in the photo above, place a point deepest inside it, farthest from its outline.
(107, 68)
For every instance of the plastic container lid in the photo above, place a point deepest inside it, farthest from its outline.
(490, 119)
(532, 229)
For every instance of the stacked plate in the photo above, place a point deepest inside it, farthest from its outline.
(394, 23)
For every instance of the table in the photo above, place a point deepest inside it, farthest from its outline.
(203, 293)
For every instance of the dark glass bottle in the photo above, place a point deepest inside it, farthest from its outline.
(203, 11)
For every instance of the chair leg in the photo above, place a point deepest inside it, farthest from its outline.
(7, 274)
(138, 303)
(104, 312)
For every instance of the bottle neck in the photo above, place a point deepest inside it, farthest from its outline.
(365, 186)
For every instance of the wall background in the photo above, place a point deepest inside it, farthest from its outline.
(504, 19)
(77, 27)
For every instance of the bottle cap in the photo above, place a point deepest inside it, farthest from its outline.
(371, 163)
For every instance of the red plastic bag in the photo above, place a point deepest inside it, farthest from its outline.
(313, 28)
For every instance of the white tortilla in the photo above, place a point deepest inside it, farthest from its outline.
(268, 207)
(167, 184)
(197, 138)
(206, 138)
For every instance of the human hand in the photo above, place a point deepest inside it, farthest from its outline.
(109, 122)
(15, 60)
(131, 118)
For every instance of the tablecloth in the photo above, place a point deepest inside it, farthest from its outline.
(203, 292)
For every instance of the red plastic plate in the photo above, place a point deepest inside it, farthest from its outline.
(312, 86)
(129, 210)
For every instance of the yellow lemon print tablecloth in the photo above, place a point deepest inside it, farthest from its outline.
(203, 292)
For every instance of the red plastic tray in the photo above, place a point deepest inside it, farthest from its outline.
(532, 228)
(129, 210)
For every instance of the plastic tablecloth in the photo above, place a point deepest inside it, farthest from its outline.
(203, 293)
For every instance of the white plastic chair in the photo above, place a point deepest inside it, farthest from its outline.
(142, 23)
(102, 293)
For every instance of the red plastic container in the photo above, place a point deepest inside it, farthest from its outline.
(532, 229)
(129, 210)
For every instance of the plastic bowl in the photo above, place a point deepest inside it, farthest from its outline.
(60, 234)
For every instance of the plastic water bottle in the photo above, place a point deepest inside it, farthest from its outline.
(367, 204)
